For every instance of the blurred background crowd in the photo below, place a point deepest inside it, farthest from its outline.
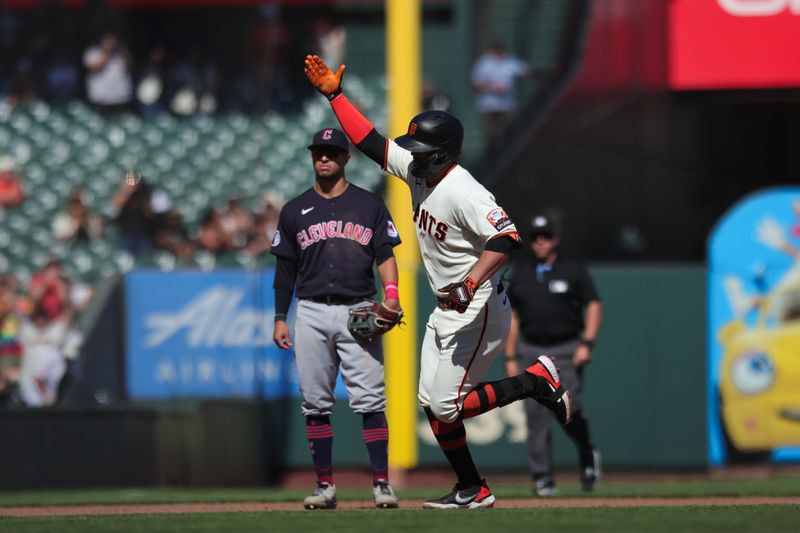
(160, 59)
(90, 61)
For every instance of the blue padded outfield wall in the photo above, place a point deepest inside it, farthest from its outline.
(208, 336)
(195, 334)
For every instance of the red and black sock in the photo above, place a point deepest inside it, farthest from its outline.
(578, 431)
(376, 437)
(319, 432)
(486, 396)
(452, 439)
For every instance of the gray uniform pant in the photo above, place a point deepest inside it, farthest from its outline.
(539, 441)
(323, 345)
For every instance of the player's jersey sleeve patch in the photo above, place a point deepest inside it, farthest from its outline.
(276, 239)
(391, 230)
(499, 219)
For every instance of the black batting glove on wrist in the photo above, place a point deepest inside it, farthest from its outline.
(457, 296)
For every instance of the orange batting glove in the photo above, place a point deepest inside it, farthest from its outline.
(323, 78)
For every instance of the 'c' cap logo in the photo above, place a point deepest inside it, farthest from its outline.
(327, 134)
(412, 128)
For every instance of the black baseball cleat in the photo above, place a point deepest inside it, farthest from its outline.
(544, 486)
(464, 497)
(591, 472)
(557, 399)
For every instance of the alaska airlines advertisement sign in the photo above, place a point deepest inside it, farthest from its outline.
(204, 335)
(734, 44)
(754, 331)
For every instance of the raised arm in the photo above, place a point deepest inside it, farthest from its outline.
(360, 130)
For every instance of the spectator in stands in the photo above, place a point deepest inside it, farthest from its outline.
(48, 291)
(76, 223)
(331, 41)
(494, 78)
(10, 348)
(171, 235)
(62, 74)
(43, 363)
(11, 193)
(265, 224)
(151, 90)
(80, 296)
(195, 79)
(109, 86)
(135, 218)
(236, 222)
(212, 237)
(267, 41)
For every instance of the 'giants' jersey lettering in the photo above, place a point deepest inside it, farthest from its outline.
(455, 219)
(427, 223)
(334, 229)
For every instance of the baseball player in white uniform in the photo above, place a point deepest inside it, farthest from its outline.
(464, 238)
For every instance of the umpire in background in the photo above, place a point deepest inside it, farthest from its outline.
(556, 311)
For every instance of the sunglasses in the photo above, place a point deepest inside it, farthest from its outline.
(330, 152)
(548, 236)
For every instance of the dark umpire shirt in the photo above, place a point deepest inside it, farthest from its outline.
(334, 241)
(550, 302)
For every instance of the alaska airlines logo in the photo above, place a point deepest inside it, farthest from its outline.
(212, 319)
(759, 8)
(427, 223)
(333, 229)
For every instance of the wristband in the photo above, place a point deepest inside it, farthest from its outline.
(586, 342)
(280, 316)
(391, 292)
(334, 94)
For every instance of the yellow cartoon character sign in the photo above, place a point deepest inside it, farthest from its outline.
(754, 331)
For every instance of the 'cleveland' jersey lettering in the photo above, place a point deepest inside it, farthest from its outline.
(334, 241)
(333, 229)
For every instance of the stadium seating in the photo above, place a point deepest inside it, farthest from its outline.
(198, 161)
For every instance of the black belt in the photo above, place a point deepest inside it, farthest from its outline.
(550, 341)
(335, 299)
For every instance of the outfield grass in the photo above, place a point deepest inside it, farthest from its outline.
(649, 519)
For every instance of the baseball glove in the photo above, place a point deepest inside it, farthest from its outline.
(372, 319)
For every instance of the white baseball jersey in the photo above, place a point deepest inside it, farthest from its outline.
(454, 221)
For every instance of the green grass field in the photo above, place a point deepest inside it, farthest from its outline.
(651, 519)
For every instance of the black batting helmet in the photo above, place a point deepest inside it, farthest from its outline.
(437, 132)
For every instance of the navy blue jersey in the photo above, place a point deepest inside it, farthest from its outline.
(334, 241)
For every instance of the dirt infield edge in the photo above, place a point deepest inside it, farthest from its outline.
(520, 503)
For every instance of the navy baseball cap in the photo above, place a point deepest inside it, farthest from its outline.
(330, 137)
(542, 225)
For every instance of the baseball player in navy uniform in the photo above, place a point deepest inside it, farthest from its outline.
(328, 239)
(464, 238)
(556, 310)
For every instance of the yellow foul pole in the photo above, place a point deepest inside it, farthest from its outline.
(403, 62)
